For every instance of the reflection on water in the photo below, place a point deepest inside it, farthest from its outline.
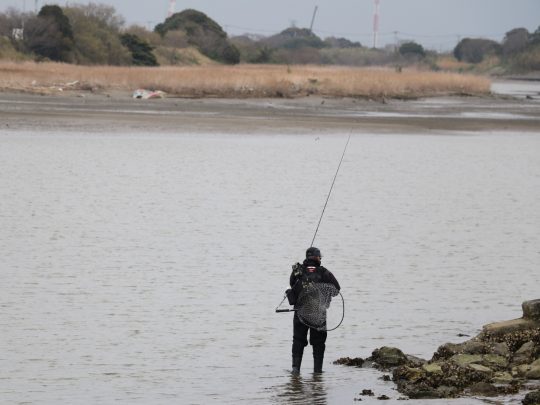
(146, 268)
(302, 389)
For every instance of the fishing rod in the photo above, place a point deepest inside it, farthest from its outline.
(331, 188)
(313, 311)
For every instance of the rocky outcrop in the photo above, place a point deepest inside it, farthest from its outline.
(532, 398)
(387, 357)
(353, 362)
(531, 309)
(502, 359)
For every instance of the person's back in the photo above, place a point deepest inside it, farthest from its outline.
(309, 271)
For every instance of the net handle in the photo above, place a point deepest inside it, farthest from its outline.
(284, 298)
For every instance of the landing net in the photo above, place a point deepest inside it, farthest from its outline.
(320, 306)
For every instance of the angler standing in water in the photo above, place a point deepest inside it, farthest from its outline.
(310, 271)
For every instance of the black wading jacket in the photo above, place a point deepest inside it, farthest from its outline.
(311, 270)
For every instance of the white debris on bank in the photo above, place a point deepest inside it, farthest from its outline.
(148, 94)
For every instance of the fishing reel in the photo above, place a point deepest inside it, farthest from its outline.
(297, 269)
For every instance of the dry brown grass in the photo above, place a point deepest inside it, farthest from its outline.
(490, 65)
(241, 81)
(449, 63)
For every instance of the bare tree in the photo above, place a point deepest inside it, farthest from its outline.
(10, 20)
(97, 36)
(103, 14)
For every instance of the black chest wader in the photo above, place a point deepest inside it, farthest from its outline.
(300, 331)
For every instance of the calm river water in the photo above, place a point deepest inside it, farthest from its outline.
(145, 269)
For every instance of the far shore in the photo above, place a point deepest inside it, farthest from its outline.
(119, 112)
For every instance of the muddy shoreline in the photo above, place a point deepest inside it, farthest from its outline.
(90, 112)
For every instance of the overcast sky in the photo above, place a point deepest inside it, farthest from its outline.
(436, 24)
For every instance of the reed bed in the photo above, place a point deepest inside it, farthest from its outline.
(241, 81)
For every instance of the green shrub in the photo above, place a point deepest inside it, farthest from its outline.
(60, 19)
(49, 35)
(141, 51)
(474, 50)
(202, 32)
(8, 51)
(295, 38)
(342, 43)
(413, 49)
(515, 41)
(43, 38)
(528, 60)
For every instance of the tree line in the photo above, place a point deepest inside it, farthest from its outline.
(519, 50)
(96, 34)
(87, 34)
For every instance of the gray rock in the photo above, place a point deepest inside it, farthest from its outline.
(446, 351)
(502, 377)
(445, 391)
(527, 348)
(499, 329)
(414, 361)
(525, 354)
(521, 370)
(483, 388)
(531, 309)
(388, 357)
(481, 369)
(501, 349)
(495, 361)
(463, 360)
(410, 374)
(421, 392)
(532, 398)
(533, 373)
(474, 347)
(432, 368)
(347, 361)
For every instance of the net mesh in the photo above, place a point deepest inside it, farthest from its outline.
(314, 308)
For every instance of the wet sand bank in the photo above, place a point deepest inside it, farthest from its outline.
(119, 112)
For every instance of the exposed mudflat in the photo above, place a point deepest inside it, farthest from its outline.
(102, 112)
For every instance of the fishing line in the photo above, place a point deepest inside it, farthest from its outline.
(331, 188)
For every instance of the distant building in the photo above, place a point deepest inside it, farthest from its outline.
(17, 34)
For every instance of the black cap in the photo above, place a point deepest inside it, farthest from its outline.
(313, 252)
